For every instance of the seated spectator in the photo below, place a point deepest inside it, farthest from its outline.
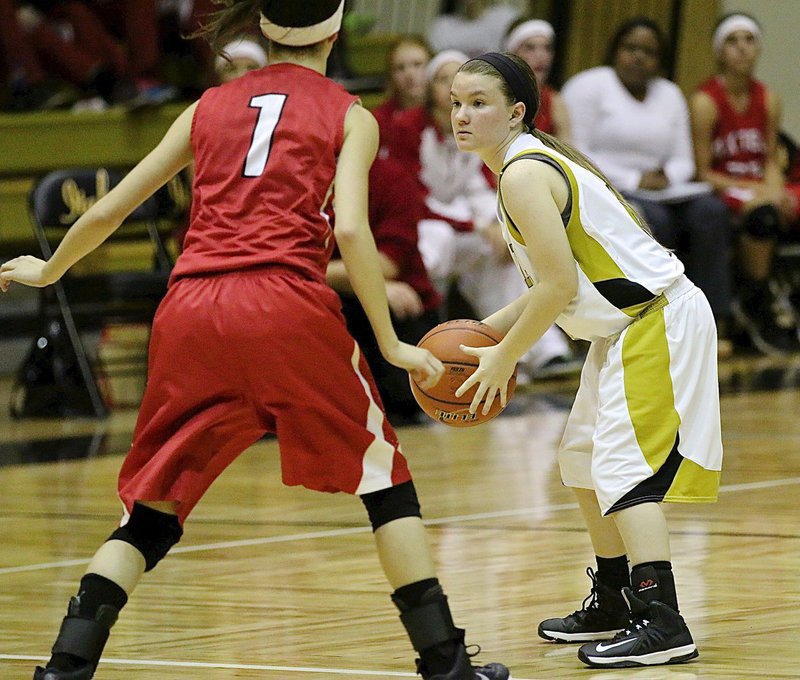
(405, 81)
(460, 239)
(533, 41)
(634, 124)
(735, 119)
(789, 165)
(29, 87)
(243, 55)
(476, 27)
(135, 24)
(395, 208)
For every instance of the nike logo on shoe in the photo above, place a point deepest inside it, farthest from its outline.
(604, 648)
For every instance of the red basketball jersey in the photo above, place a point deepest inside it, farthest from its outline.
(739, 145)
(265, 149)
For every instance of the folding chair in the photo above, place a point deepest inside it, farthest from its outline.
(56, 202)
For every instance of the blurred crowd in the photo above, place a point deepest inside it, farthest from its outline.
(714, 176)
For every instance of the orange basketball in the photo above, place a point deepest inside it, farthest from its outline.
(440, 402)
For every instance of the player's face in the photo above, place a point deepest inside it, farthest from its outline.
(740, 52)
(408, 72)
(480, 114)
(537, 51)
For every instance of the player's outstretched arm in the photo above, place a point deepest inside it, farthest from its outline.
(172, 154)
(357, 246)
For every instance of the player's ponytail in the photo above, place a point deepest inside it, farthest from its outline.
(232, 19)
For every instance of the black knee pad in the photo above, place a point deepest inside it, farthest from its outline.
(387, 505)
(763, 223)
(151, 532)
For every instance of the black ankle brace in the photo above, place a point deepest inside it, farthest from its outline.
(81, 640)
(431, 630)
(654, 581)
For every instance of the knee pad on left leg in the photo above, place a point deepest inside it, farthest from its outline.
(763, 223)
(387, 505)
(151, 532)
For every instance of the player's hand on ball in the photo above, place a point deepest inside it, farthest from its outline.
(425, 369)
(491, 376)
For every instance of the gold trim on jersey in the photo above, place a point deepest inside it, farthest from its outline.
(593, 259)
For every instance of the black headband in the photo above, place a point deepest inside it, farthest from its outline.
(520, 88)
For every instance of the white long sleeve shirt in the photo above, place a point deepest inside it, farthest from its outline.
(626, 137)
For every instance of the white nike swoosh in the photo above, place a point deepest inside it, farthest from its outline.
(604, 648)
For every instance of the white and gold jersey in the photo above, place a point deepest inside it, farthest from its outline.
(622, 270)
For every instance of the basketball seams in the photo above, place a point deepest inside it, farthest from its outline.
(440, 402)
(434, 333)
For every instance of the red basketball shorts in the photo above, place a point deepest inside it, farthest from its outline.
(235, 355)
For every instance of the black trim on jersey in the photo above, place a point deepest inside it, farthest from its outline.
(653, 489)
(567, 211)
(299, 14)
(623, 293)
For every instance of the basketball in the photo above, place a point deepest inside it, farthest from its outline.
(440, 402)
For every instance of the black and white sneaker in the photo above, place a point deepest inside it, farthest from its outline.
(656, 635)
(464, 670)
(602, 615)
(85, 673)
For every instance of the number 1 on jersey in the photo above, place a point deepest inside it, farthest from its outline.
(270, 108)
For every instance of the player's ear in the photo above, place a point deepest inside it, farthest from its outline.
(517, 113)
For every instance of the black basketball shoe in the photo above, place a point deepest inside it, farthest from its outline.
(602, 615)
(85, 673)
(464, 670)
(656, 635)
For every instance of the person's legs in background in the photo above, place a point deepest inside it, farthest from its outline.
(708, 226)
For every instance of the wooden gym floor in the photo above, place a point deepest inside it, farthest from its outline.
(277, 583)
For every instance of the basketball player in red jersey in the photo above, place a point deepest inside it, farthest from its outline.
(735, 120)
(249, 339)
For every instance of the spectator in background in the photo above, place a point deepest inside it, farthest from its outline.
(459, 238)
(28, 85)
(135, 24)
(789, 165)
(244, 54)
(533, 41)
(405, 81)
(735, 120)
(395, 208)
(634, 124)
(477, 26)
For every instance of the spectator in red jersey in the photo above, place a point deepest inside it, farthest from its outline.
(395, 208)
(405, 81)
(735, 121)
(533, 41)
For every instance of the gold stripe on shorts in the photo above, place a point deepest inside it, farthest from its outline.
(651, 406)
(648, 387)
